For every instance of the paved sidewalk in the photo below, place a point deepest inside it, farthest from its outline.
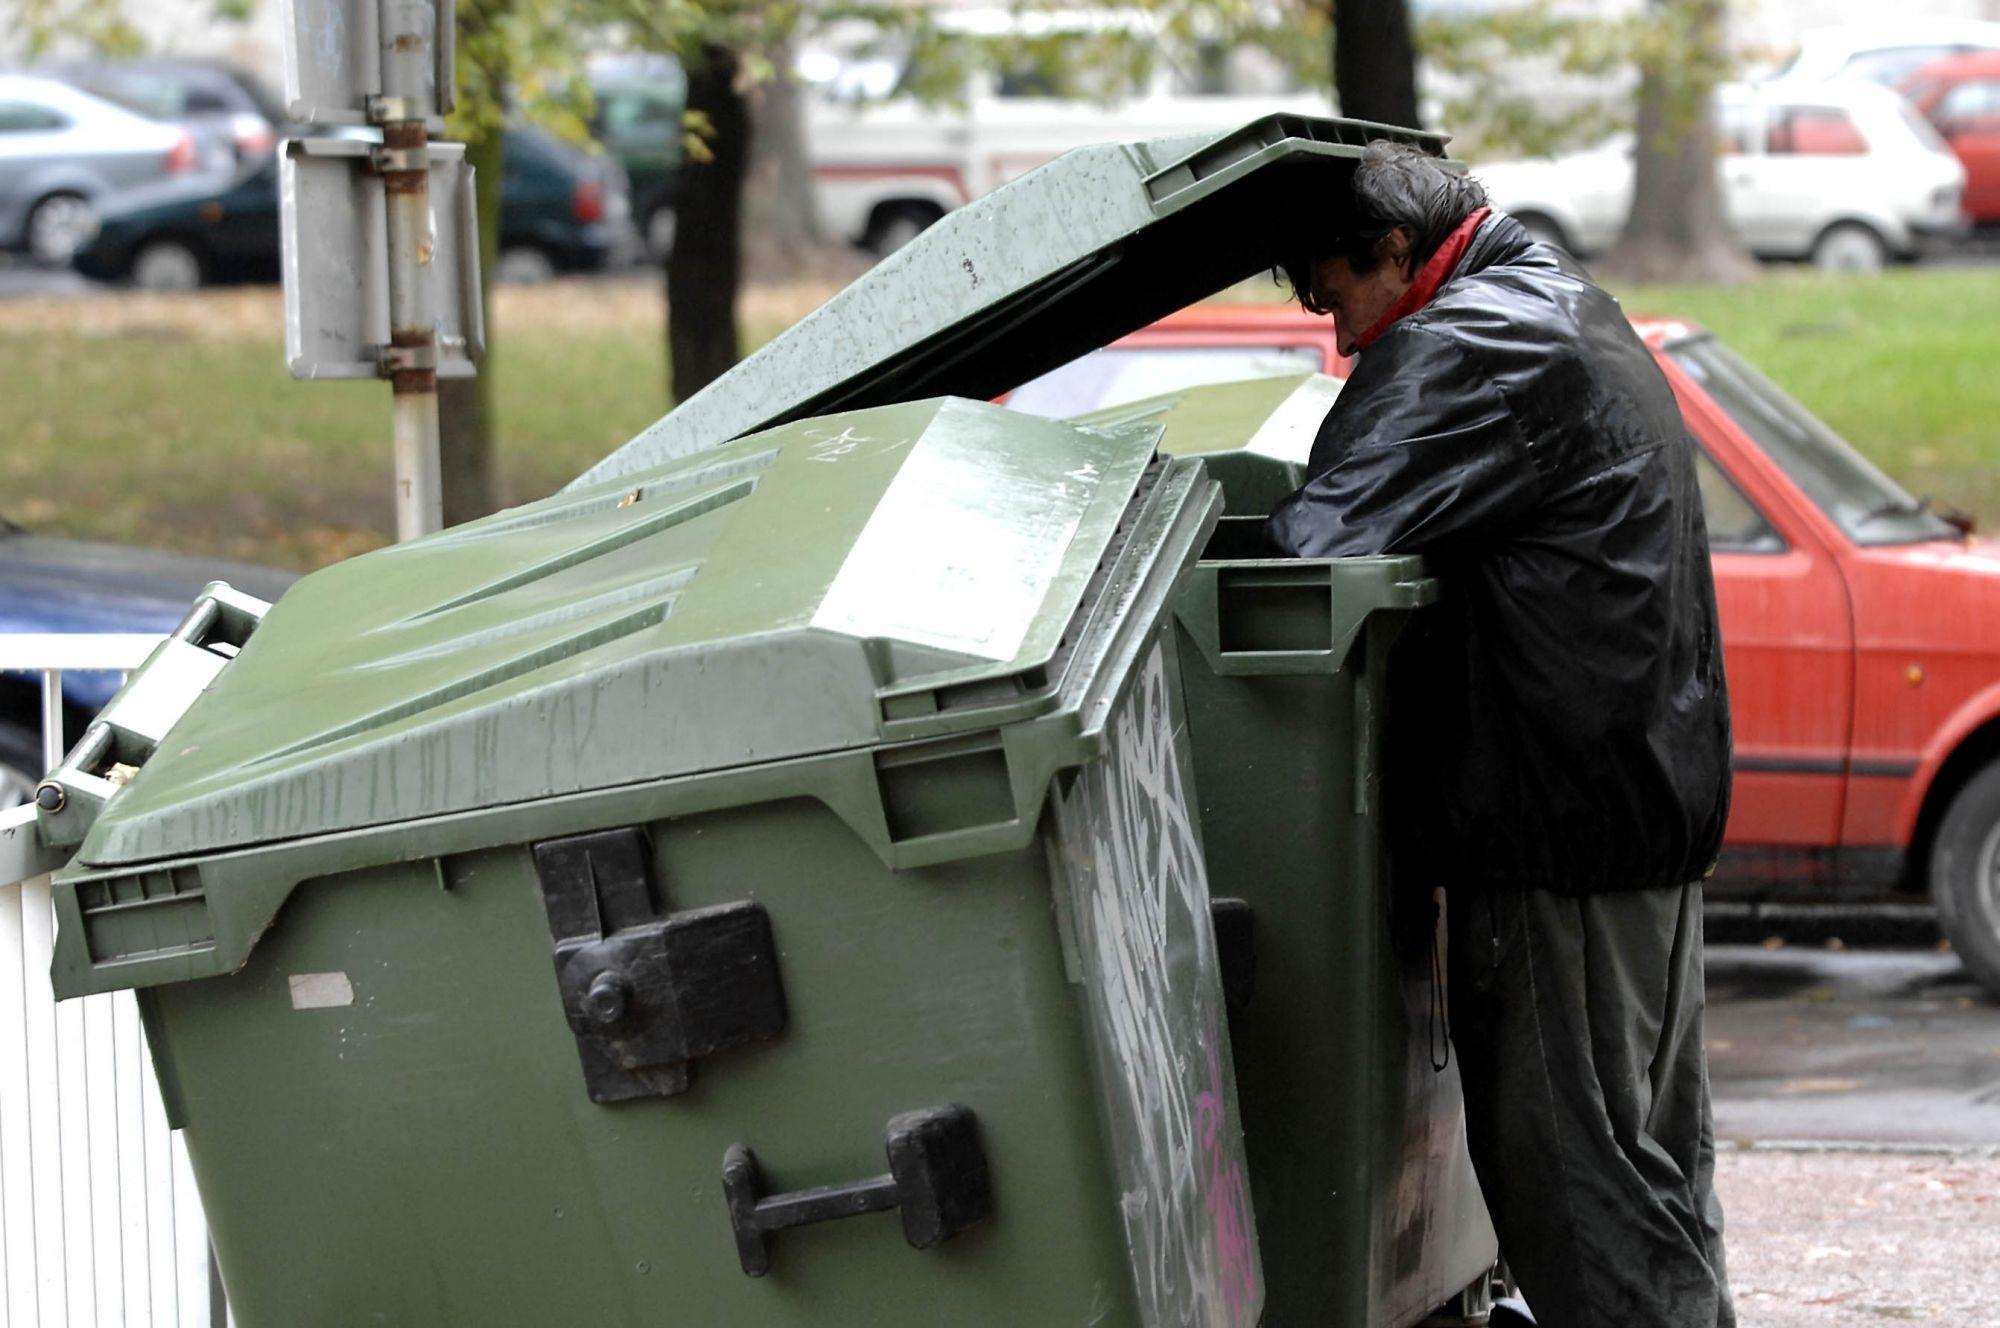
(1831, 1239)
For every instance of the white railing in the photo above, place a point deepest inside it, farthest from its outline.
(99, 1220)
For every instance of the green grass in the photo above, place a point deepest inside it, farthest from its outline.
(211, 445)
(147, 433)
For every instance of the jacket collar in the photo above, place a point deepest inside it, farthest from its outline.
(1501, 240)
(1438, 268)
(1494, 238)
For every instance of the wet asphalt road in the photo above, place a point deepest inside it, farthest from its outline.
(1878, 1047)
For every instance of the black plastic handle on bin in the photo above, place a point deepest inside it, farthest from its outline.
(937, 1176)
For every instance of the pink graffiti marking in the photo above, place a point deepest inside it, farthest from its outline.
(1228, 1193)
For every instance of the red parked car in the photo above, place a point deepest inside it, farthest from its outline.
(1960, 96)
(1861, 628)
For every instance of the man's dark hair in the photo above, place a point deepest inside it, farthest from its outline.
(1396, 187)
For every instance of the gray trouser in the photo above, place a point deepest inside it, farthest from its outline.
(1578, 1028)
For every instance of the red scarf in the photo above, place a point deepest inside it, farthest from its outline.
(1441, 265)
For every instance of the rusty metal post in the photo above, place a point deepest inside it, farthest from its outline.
(408, 101)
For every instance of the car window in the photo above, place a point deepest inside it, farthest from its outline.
(1893, 64)
(1814, 131)
(21, 117)
(1968, 102)
(1925, 131)
(1734, 524)
(1740, 127)
(1118, 375)
(1869, 506)
(207, 101)
(260, 96)
(635, 113)
(152, 95)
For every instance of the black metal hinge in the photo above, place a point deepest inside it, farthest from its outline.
(646, 991)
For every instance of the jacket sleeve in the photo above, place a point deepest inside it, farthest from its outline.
(1421, 453)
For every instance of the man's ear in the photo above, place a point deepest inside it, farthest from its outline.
(1395, 248)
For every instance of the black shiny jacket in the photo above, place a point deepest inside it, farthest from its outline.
(1559, 720)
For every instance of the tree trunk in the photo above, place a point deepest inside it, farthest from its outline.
(1677, 230)
(465, 405)
(466, 417)
(1375, 61)
(705, 268)
(781, 231)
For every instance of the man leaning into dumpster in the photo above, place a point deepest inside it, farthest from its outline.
(1560, 728)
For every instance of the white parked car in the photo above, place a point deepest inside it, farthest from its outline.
(63, 152)
(1843, 174)
(1885, 54)
(886, 165)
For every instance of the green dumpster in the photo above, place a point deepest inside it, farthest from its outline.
(766, 882)
(1366, 1202)
(611, 910)
(1368, 1210)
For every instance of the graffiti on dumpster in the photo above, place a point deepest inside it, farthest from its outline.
(1139, 898)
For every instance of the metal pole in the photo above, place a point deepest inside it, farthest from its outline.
(54, 741)
(409, 98)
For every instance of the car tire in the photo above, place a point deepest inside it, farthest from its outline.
(524, 265)
(58, 226)
(897, 225)
(166, 265)
(20, 760)
(1965, 876)
(1545, 230)
(1850, 246)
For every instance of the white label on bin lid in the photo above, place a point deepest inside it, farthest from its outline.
(320, 991)
(955, 556)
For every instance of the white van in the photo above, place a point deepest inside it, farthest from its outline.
(886, 165)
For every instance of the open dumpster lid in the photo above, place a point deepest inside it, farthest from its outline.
(1073, 255)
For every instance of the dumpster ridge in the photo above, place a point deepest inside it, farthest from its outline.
(713, 470)
(631, 533)
(637, 620)
(665, 587)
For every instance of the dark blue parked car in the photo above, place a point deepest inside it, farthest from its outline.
(562, 210)
(63, 585)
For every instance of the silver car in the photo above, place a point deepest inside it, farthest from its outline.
(232, 115)
(63, 152)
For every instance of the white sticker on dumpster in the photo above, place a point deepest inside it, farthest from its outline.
(955, 556)
(320, 991)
